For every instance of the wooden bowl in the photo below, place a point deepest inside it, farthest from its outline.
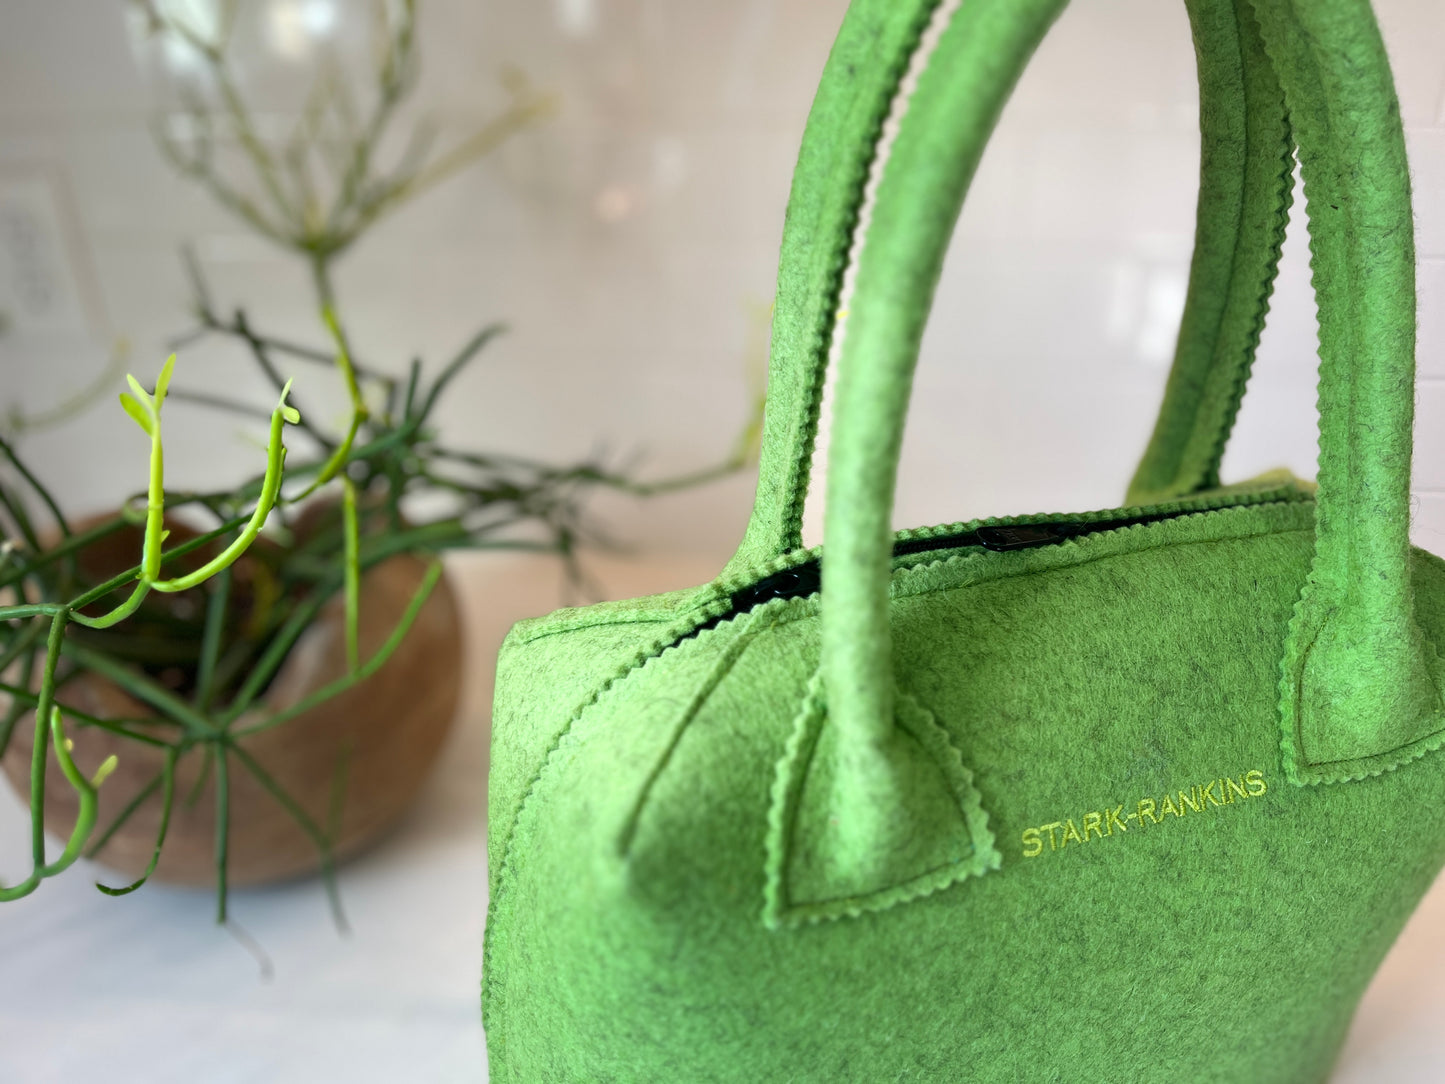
(377, 742)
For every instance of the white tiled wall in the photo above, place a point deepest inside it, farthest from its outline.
(631, 241)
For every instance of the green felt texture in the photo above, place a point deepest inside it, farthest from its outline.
(1231, 943)
(864, 68)
(1243, 198)
(1245, 177)
(1360, 683)
(939, 836)
(1035, 814)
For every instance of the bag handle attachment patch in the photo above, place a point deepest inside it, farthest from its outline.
(853, 830)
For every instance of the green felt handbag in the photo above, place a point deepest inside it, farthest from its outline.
(1124, 796)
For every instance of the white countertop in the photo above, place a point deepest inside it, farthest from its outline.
(147, 988)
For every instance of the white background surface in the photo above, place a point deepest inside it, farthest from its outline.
(630, 242)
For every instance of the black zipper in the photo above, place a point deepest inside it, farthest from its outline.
(805, 579)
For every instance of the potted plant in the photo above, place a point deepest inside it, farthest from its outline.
(251, 683)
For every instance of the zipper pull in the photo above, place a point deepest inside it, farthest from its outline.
(1020, 536)
(799, 582)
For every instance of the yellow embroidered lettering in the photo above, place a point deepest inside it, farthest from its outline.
(1221, 792)
(1032, 840)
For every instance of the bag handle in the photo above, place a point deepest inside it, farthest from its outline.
(1358, 695)
(1246, 177)
(1244, 191)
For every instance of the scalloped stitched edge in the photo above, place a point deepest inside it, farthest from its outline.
(1303, 773)
(660, 646)
(1198, 503)
(745, 633)
(792, 771)
(1284, 200)
(826, 326)
(1298, 771)
(900, 588)
(715, 598)
(1084, 550)
(702, 601)
(1192, 507)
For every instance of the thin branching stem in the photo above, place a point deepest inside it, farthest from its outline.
(40, 749)
(167, 781)
(352, 557)
(142, 688)
(361, 673)
(211, 638)
(124, 728)
(86, 790)
(39, 489)
(223, 828)
(300, 816)
(123, 817)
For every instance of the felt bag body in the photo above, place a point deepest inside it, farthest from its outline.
(1114, 796)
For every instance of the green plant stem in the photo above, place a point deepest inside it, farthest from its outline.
(208, 757)
(86, 794)
(98, 592)
(125, 814)
(26, 699)
(38, 752)
(211, 323)
(360, 674)
(413, 380)
(32, 609)
(168, 782)
(305, 612)
(143, 689)
(263, 360)
(66, 548)
(463, 358)
(352, 563)
(120, 613)
(299, 815)
(23, 643)
(359, 411)
(85, 790)
(13, 505)
(435, 537)
(320, 264)
(211, 639)
(276, 651)
(270, 488)
(223, 828)
(16, 708)
(40, 490)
